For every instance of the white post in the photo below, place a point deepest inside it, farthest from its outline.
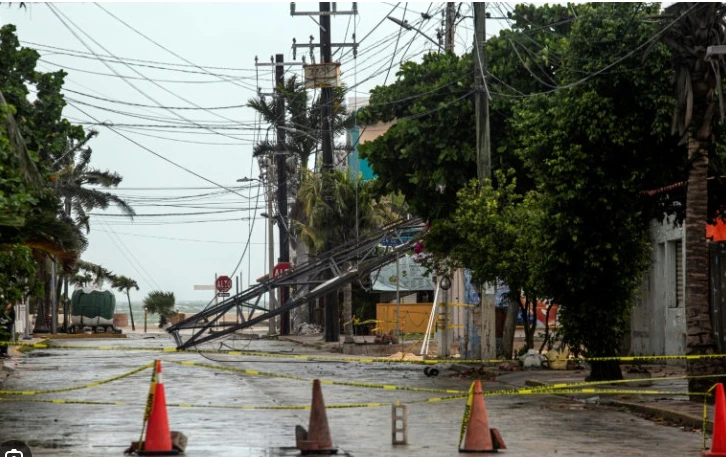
(53, 300)
(398, 299)
(27, 319)
(425, 343)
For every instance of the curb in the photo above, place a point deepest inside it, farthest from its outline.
(678, 417)
(670, 415)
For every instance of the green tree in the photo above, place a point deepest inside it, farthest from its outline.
(18, 269)
(490, 225)
(428, 154)
(592, 149)
(42, 147)
(699, 26)
(125, 284)
(160, 303)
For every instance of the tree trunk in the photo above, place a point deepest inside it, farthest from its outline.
(606, 371)
(699, 334)
(510, 325)
(131, 313)
(41, 314)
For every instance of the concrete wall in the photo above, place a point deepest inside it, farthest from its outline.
(658, 324)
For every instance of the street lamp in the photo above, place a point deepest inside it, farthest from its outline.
(270, 247)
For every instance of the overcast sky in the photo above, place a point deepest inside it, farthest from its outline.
(172, 252)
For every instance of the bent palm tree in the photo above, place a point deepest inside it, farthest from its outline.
(124, 284)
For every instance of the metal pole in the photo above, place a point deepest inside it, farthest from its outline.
(53, 300)
(282, 185)
(272, 330)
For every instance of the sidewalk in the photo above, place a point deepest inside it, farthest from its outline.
(670, 407)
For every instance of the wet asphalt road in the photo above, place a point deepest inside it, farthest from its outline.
(530, 425)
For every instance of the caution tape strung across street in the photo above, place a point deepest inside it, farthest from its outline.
(322, 381)
(353, 405)
(84, 386)
(641, 358)
(586, 384)
(257, 354)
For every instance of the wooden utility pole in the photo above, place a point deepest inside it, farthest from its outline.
(326, 83)
(483, 164)
(332, 314)
(449, 33)
(281, 154)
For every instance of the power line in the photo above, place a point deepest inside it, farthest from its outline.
(121, 102)
(156, 43)
(117, 75)
(175, 239)
(162, 157)
(131, 59)
(58, 14)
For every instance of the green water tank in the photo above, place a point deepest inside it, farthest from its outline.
(92, 308)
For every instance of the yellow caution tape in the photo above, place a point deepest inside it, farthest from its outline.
(354, 359)
(467, 413)
(328, 382)
(570, 385)
(149, 401)
(636, 358)
(84, 386)
(705, 414)
(261, 354)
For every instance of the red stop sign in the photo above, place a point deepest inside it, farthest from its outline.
(223, 284)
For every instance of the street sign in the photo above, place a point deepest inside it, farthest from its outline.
(223, 284)
(222, 294)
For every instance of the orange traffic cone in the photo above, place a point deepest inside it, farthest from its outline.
(718, 440)
(317, 439)
(479, 437)
(158, 436)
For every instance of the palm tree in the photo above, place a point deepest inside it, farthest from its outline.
(353, 212)
(75, 181)
(303, 125)
(124, 284)
(161, 303)
(698, 26)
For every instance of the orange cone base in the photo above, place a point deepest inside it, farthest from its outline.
(707, 453)
(172, 452)
(498, 443)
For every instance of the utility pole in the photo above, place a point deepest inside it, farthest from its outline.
(326, 83)
(483, 164)
(332, 314)
(282, 185)
(449, 34)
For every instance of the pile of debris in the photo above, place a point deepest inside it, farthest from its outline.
(404, 356)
